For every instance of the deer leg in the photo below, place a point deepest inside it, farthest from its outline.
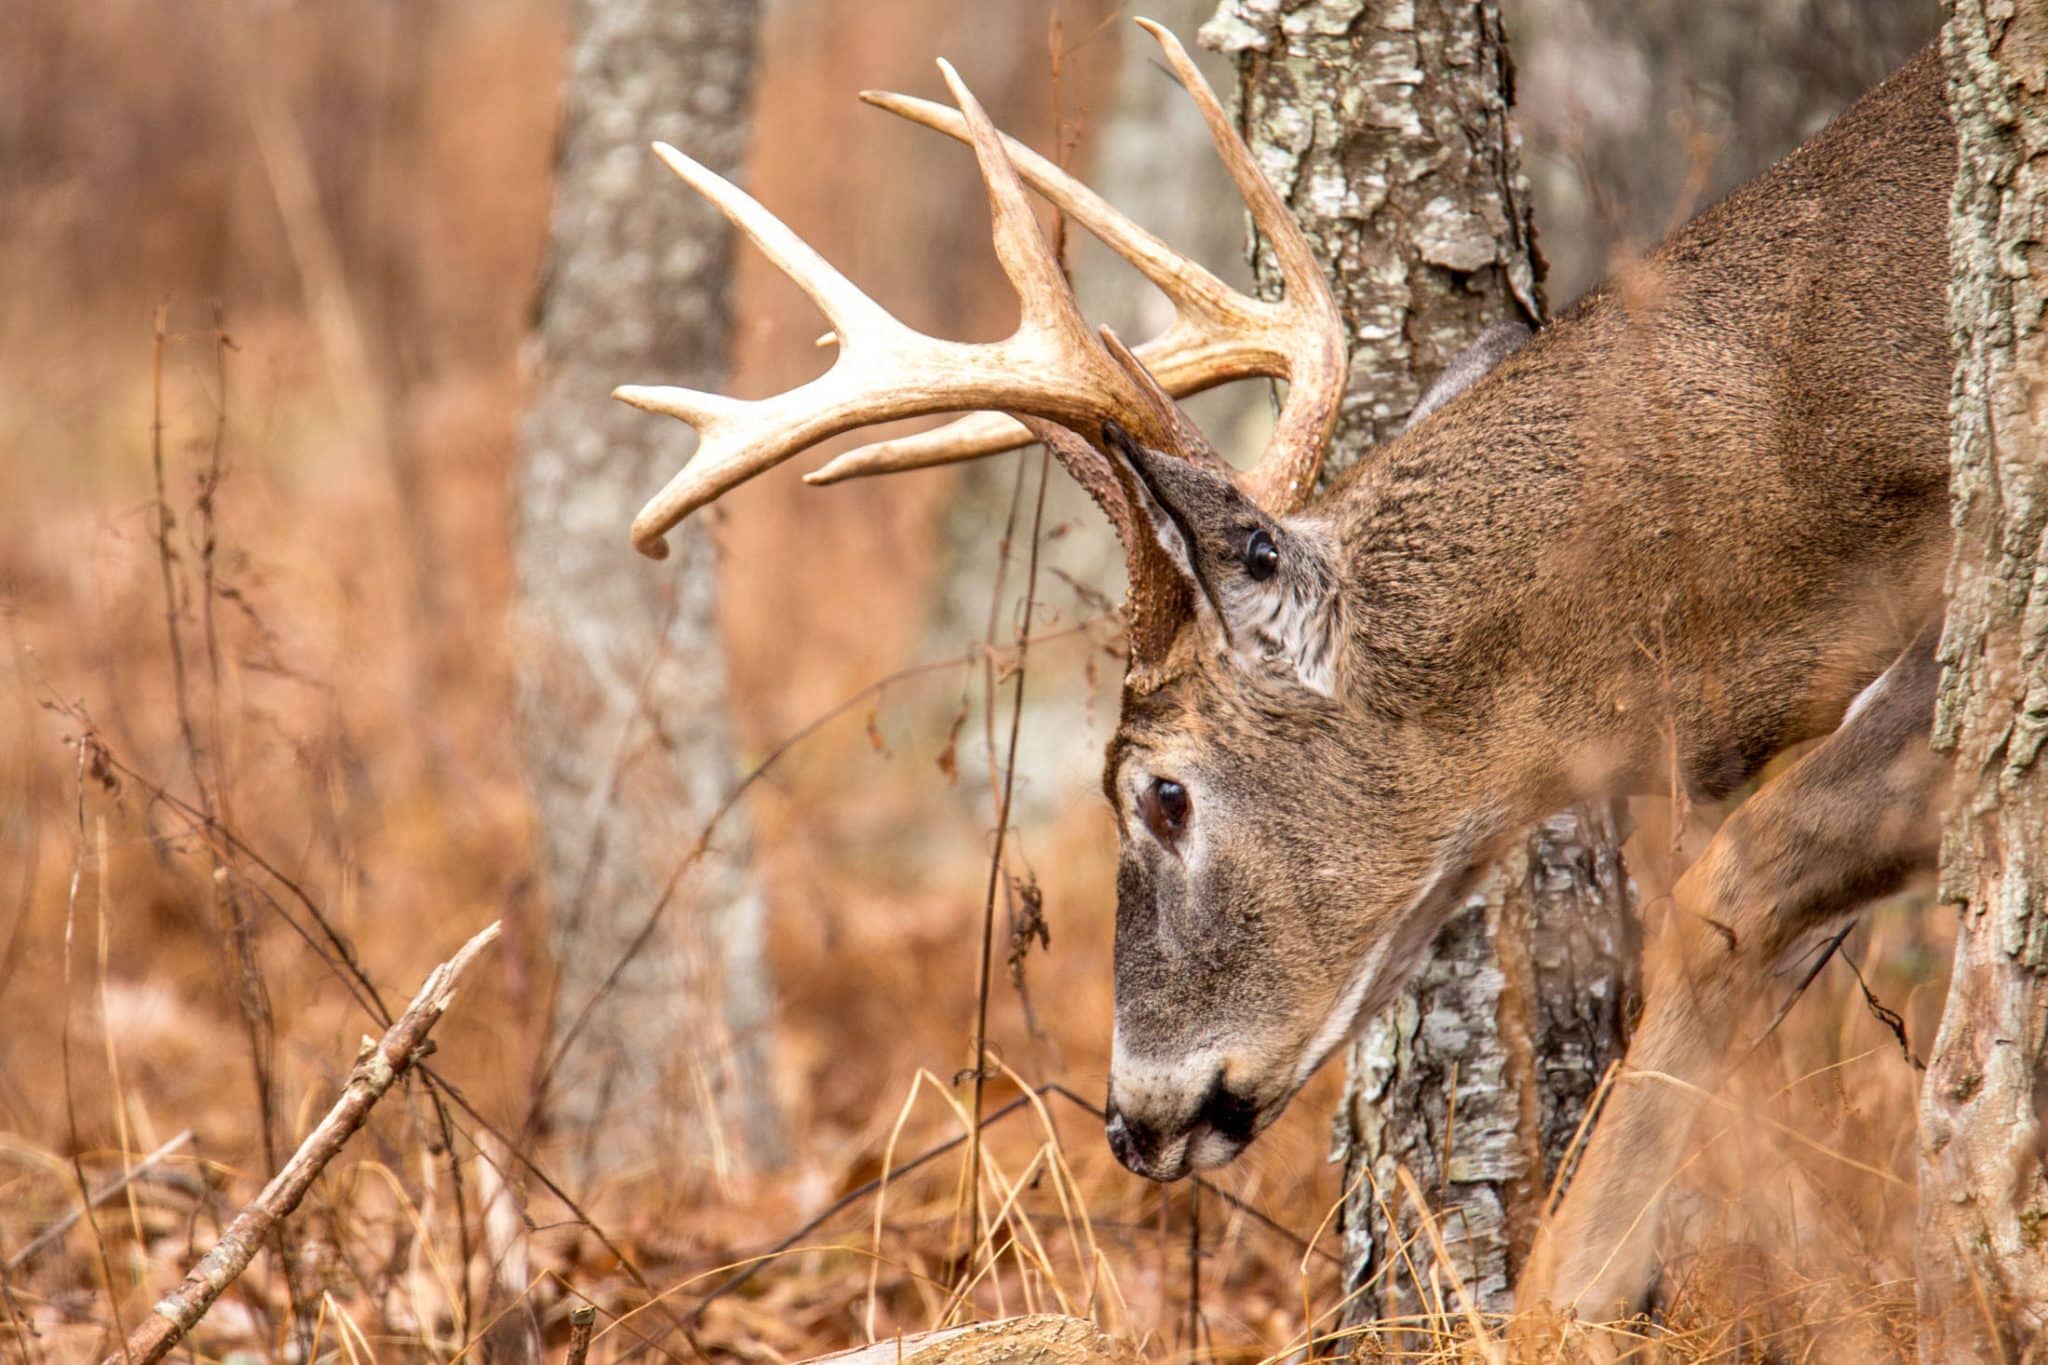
(1850, 821)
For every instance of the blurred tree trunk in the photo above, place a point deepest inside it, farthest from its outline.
(1148, 152)
(1983, 1191)
(623, 688)
(1386, 128)
(1636, 116)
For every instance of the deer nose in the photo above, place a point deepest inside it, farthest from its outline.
(1135, 1143)
(1226, 1113)
(1219, 1126)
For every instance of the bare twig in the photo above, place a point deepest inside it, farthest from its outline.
(88, 761)
(334, 950)
(1883, 1013)
(580, 1323)
(1820, 960)
(238, 948)
(995, 863)
(54, 1233)
(378, 1068)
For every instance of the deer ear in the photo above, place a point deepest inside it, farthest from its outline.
(1471, 365)
(1263, 587)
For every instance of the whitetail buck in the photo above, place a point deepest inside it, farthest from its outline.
(1677, 531)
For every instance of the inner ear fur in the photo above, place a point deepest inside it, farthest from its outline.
(1204, 523)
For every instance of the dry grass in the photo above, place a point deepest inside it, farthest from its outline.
(340, 595)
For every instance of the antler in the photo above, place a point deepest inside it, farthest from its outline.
(1218, 334)
(1059, 383)
(1051, 368)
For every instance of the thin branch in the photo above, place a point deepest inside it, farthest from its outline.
(580, 1323)
(54, 1233)
(379, 1067)
(1883, 1013)
(339, 957)
(1820, 960)
(252, 994)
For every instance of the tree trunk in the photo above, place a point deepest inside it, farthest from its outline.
(1386, 127)
(1983, 1195)
(623, 687)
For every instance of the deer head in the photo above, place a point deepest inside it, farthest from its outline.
(1248, 941)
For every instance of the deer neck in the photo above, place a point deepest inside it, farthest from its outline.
(1594, 603)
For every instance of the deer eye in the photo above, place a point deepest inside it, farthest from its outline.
(1261, 557)
(1164, 807)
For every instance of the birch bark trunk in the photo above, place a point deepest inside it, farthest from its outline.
(623, 690)
(1385, 125)
(1984, 1110)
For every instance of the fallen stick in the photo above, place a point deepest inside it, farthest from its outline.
(580, 1323)
(54, 1233)
(377, 1069)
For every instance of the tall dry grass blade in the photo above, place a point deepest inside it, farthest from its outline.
(1492, 1350)
(85, 744)
(54, 1233)
(116, 1089)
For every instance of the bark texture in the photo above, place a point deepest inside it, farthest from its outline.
(1385, 125)
(1983, 1193)
(1478, 1077)
(623, 694)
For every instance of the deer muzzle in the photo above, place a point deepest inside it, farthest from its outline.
(1156, 1132)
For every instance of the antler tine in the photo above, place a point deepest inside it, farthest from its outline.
(1040, 285)
(1219, 334)
(991, 433)
(964, 438)
(1298, 264)
(1188, 438)
(1285, 477)
(1178, 277)
(851, 313)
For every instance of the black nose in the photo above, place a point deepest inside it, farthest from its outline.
(1230, 1115)
(1123, 1140)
